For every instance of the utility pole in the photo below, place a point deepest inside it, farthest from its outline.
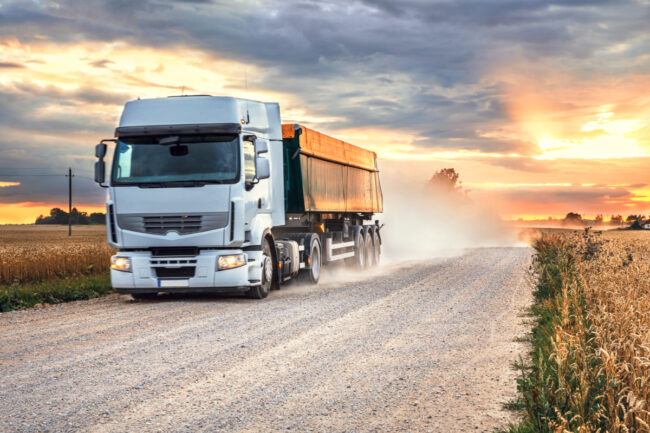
(69, 176)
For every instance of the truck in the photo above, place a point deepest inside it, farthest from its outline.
(210, 193)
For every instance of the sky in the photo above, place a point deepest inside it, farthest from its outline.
(541, 106)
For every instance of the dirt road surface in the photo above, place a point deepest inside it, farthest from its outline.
(424, 346)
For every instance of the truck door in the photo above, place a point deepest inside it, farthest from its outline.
(256, 196)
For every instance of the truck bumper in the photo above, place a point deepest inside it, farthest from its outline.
(185, 274)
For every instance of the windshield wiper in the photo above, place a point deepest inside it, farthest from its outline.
(178, 183)
(184, 183)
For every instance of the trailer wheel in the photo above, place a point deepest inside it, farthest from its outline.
(376, 242)
(360, 257)
(262, 291)
(370, 250)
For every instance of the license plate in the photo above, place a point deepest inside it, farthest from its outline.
(173, 283)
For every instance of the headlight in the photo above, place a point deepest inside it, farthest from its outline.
(231, 261)
(121, 263)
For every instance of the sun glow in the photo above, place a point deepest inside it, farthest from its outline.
(613, 142)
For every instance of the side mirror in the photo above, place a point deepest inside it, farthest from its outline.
(100, 150)
(261, 146)
(100, 171)
(263, 168)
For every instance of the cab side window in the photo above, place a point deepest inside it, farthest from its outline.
(249, 161)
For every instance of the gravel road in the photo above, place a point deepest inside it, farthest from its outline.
(423, 346)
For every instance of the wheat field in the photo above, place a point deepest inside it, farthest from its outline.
(615, 272)
(42, 253)
(591, 362)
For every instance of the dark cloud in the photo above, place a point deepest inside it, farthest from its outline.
(101, 63)
(40, 165)
(11, 65)
(21, 108)
(570, 194)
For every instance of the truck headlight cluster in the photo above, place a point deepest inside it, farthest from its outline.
(121, 263)
(231, 261)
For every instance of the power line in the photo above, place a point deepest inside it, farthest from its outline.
(30, 175)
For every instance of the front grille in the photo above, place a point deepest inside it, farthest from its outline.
(182, 272)
(182, 224)
(174, 252)
(160, 225)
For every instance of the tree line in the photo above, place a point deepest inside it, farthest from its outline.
(59, 216)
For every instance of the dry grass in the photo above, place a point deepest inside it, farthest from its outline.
(590, 367)
(45, 253)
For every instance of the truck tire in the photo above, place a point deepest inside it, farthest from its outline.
(359, 261)
(311, 275)
(370, 249)
(262, 291)
(376, 242)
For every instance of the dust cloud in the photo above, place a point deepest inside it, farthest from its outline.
(423, 223)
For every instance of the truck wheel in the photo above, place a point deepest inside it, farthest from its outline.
(311, 275)
(143, 296)
(315, 258)
(360, 258)
(376, 242)
(262, 291)
(370, 250)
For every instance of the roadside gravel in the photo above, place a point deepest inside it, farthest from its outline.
(423, 346)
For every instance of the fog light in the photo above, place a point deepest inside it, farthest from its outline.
(231, 261)
(121, 263)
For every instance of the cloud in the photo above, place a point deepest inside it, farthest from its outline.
(52, 110)
(10, 65)
(102, 63)
(417, 66)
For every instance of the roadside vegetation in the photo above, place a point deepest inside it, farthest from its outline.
(589, 369)
(41, 264)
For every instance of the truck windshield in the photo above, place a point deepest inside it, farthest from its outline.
(185, 159)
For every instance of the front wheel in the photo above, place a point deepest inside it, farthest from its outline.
(262, 291)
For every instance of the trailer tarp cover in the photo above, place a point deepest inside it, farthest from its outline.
(323, 174)
(314, 143)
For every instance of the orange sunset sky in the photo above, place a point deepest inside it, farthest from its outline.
(543, 107)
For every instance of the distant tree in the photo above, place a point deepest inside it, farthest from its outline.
(616, 219)
(632, 218)
(97, 218)
(446, 180)
(599, 219)
(572, 216)
(58, 216)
